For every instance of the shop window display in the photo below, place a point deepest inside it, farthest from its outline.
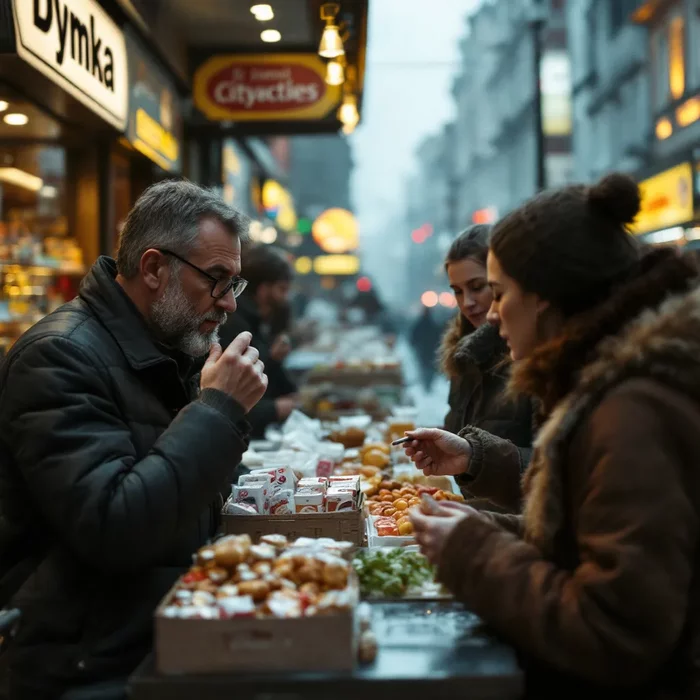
(40, 263)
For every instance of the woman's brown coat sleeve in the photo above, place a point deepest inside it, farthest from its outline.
(495, 469)
(617, 616)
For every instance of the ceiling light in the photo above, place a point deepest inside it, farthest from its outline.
(331, 45)
(347, 113)
(21, 178)
(335, 73)
(16, 119)
(263, 12)
(4, 105)
(270, 36)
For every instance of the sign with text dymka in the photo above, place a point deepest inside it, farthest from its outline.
(78, 46)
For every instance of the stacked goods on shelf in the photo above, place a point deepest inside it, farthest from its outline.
(261, 493)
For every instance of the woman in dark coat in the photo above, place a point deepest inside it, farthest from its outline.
(597, 584)
(474, 358)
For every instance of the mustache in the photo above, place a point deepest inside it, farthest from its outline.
(216, 317)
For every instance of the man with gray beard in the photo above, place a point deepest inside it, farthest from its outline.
(121, 421)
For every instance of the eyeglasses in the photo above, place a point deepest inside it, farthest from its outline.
(219, 287)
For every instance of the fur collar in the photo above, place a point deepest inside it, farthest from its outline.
(482, 347)
(661, 341)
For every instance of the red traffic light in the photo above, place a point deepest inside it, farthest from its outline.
(364, 284)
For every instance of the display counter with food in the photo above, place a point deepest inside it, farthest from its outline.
(258, 612)
(433, 649)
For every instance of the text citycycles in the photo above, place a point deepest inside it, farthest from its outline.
(85, 46)
(261, 87)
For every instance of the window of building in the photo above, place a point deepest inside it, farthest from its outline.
(620, 12)
(693, 39)
(592, 38)
(668, 52)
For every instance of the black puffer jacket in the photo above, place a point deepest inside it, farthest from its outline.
(481, 412)
(110, 470)
(279, 384)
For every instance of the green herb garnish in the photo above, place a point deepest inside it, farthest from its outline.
(391, 573)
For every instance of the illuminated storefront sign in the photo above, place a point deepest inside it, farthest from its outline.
(264, 87)
(236, 176)
(328, 265)
(667, 200)
(155, 118)
(77, 45)
(336, 231)
(555, 78)
(278, 204)
(336, 265)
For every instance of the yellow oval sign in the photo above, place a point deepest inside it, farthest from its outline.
(264, 87)
(336, 231)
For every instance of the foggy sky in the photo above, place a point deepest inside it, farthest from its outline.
(412, 57)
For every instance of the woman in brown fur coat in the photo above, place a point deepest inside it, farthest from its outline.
(473, 356)
(598, 582)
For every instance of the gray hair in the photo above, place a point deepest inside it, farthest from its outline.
(167, 215)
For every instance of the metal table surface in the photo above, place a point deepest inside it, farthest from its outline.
(426, 650)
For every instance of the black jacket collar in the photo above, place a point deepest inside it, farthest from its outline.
(110, 303)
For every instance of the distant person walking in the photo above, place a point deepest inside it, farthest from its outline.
(425, 339)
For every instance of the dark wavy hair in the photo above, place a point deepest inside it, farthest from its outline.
(265, 264)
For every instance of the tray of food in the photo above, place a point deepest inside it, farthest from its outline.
(264, 607)
(392, 572)
(271, 501)
(388, 523)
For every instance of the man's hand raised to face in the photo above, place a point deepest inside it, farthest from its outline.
(237, 371)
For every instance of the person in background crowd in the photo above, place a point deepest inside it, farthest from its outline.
(597, 583)
(113, 449)
(264, 311)
(473, 356)
(425, 340)
(374, 311)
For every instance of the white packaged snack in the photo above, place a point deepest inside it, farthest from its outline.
(283, 503)
(309, 501)
(254, 495)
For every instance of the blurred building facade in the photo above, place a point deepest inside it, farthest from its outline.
(430, 224)
(496, 133)
(636, 95)
(319, 168)
(319, 172)
(610, 88)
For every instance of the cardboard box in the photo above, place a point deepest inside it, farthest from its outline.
(255, 644)
(346, 526)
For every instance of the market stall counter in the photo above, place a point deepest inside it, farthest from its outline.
(433, 649)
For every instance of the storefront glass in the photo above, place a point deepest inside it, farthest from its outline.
(40, 262)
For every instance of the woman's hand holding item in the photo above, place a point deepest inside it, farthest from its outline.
(437, 452)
